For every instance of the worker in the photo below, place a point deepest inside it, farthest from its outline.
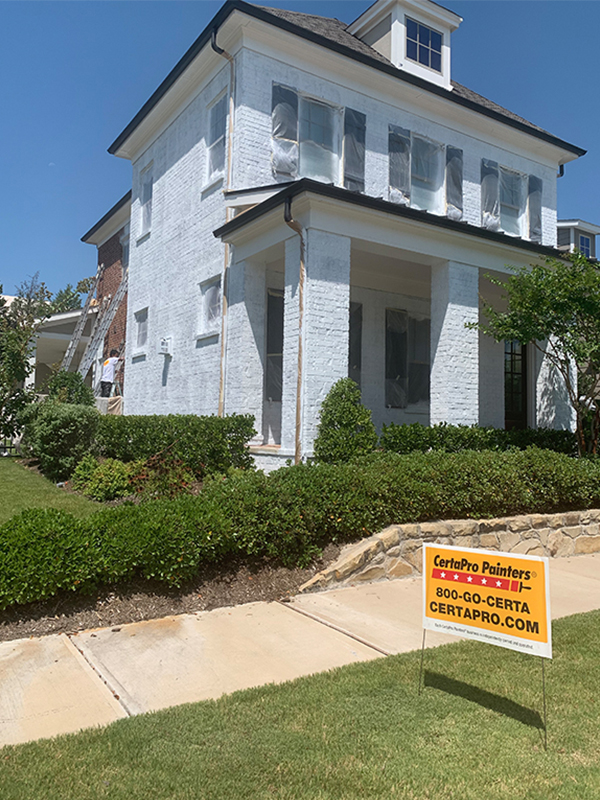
(108, 373)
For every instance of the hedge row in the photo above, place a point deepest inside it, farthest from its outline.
(60, 434)
(288, 515)
(454, 438)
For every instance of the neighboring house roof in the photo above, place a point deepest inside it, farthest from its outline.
(376, 204)
(333, 34)
(590, 227)
(89, 237)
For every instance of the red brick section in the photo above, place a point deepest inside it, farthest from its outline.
(110, 254)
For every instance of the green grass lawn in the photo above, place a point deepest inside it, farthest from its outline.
(20, 488)
(357, 732)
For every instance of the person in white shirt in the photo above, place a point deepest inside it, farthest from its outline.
(108, 373)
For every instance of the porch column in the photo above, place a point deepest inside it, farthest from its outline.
(454, 348)
(552, 406)
(324, 330)
(246, 341)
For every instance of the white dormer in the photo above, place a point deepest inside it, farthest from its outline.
(413, 34)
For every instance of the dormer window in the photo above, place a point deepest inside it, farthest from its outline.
(585, 246)
(423, 45)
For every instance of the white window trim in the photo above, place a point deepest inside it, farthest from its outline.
(214, 178)
(416, 61)
(589, 245)
(212, 330)
(144, 231)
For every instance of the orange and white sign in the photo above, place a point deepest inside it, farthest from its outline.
(499, 598)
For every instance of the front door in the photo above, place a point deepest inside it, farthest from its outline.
(515, 385)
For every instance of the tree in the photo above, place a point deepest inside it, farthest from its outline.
(67, 299)
(19, 321)
(556, 306)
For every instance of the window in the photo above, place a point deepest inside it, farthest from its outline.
(585, 246)
(217, 131)
(406, 359)
(146, 201)
(274, 370)
(423, 45)
(141, 324)
(210, 314)
(510, 201)
(355, 342)
(515, 384)
(425, 174)
(314, 139)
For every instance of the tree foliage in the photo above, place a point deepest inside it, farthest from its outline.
(556, 306)
(19, 321)
(345, 426)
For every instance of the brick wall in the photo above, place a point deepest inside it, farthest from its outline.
(110, 254)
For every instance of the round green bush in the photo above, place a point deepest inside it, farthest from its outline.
(345, 426)
(69, 387)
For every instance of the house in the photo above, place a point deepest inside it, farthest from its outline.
(575, 234)
(313, 200)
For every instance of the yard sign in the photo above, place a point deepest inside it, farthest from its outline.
(499, 598)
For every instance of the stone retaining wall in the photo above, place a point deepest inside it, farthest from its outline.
(396, 552)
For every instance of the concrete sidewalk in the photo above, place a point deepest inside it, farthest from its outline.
(60, 684)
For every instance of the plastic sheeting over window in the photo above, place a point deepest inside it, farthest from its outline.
(355, 342)
(512, 201)
(216, 137)
(535, 209)
(355, 126)
(407, 348)
(284, 118)
(454, 183)
(490, 205)
(274, 369)
(427, 175)
(318, 141)
(399, 147)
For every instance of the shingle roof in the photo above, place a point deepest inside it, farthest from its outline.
(336, 31)
(333, 34)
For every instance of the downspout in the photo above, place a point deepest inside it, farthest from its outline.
(561, 170)
(297, 228)
(225, 279)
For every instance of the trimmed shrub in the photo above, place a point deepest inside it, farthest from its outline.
(59, 435)
(202, 444)
(345, 426)
(69, 387)
(104, 481)
(288, 515)
(162, 475)
(454, 438)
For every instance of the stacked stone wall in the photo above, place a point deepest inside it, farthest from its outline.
(396, 552)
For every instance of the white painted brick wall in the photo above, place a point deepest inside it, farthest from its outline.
(454, 349)
(253, 142)
(553, 409)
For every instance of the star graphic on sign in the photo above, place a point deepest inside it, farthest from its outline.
(470, 579)
(443, 574)
(483, 580)
(498, 583)
(456, 577)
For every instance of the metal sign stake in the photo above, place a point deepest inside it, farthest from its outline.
(544, 695)
(422, 654)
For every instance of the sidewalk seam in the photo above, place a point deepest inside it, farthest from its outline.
(114, 693)
(337, 628)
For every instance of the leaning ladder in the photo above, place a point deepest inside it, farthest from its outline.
(78, 332)
(102, 327)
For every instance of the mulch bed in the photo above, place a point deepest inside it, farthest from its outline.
(214, 587)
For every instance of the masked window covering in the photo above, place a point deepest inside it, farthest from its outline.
(454, 183)
(490, 207)
(318, 141)
(396, 367)
(512, 201)
(535, 209)
(284, 117)
(355, 126)
(418, 359)
(427, 174)
(399, 149)
(355, 342)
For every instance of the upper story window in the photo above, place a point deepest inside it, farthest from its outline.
(423, 45)
(141, 324)
(425, 174)
(585, 246)
(146, 201)
(217, 132)
(318, 140)
(511, 202)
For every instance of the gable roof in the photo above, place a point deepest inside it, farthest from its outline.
(333, 34)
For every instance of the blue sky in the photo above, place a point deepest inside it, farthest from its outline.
(75, 73)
